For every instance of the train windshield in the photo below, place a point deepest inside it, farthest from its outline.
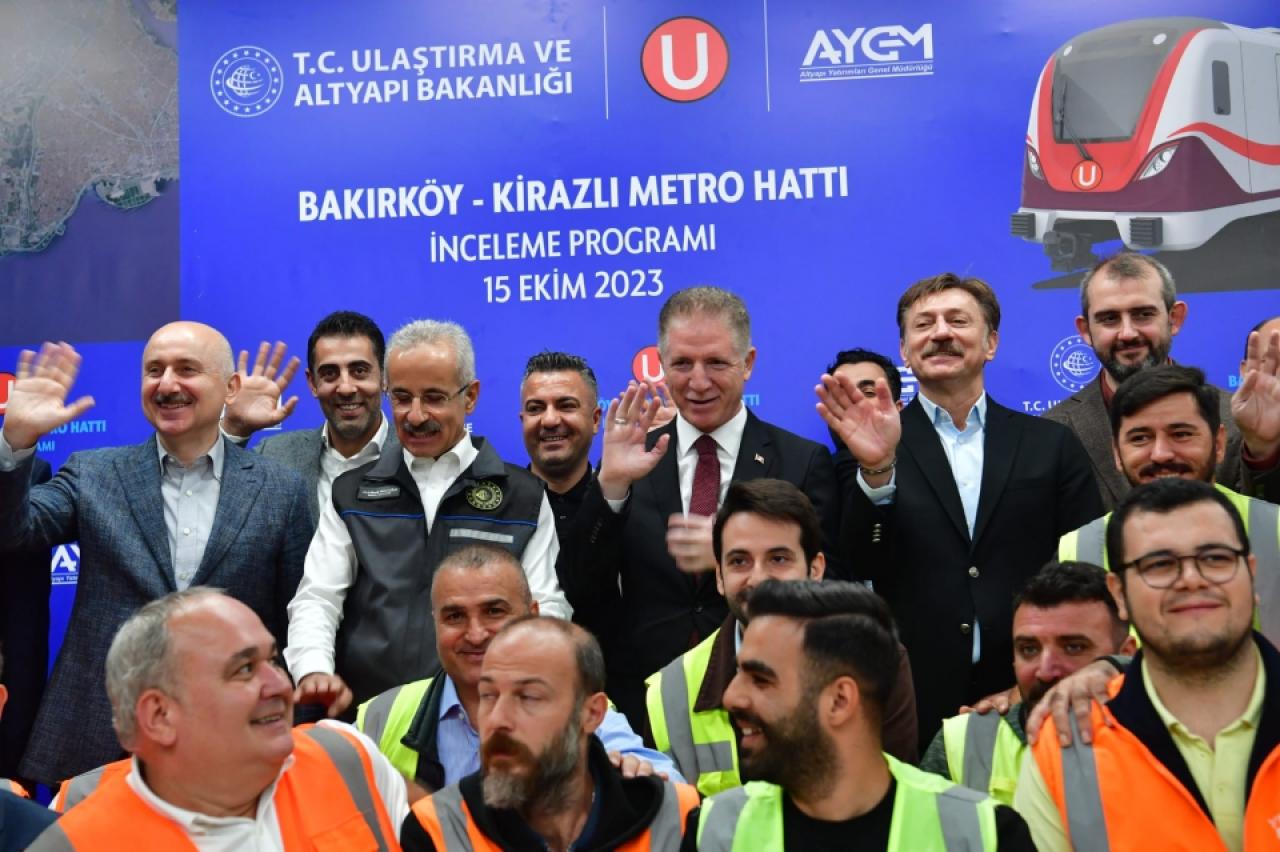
(1102, 79)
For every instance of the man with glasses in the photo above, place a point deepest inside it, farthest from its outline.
(361, 620)
(1186, 754)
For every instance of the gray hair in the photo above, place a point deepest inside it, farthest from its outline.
(140, 657)
(429, 332)
(1128, 265)
(474, 557)
(712, 301)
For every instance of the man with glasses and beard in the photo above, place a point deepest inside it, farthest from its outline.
(813, 672)
(1129, 314)
(1186, 754)
(361, 620)
(545, 782)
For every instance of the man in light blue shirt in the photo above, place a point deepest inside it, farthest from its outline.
(427, 728)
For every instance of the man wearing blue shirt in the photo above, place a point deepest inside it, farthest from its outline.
(427, 728)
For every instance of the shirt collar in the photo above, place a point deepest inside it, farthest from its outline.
(375, 443)
(1250, 718)
(464, 452)
(193, 821)
(938, 415)
(728, 436)
(216, 454)
(450, 703)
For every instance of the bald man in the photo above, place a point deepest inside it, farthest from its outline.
(183, 508)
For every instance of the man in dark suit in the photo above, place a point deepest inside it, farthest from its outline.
(651, 509)
(957, 500)
(24, 638)
(1129, 314)
(183, 508)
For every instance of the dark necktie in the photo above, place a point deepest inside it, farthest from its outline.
(705, 498)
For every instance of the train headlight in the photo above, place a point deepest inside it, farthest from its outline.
(1159, 161)
(1033, 163)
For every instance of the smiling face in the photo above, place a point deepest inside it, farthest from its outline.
(705, 370)
(232, 708)
(559, 419)
(946, 339)
(470, 606)
(1169, 437)
(415, 377)
(185, 380)
(347, 382)
(1194, 624)
(755, 548)
(1128, 325)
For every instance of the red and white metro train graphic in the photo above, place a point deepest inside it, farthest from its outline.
(1159, 132)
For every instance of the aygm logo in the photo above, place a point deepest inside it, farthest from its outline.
(6, 387)
(909, 384)
(888, 51)
(1073, 363)
(684, 59)
(246, 81)
(65, 567)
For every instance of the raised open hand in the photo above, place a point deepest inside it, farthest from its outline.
(1256, 405)
(624, 457)
(870, 427)
(257, 404)
(38, 400)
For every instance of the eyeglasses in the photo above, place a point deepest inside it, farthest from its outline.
(1216, 563)
(433, 400)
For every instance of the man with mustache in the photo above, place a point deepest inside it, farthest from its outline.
(766, 530)
(814, 671)
(427, 728)
(203, 704)
(545, 781)
(1063, 619)
(182, 508)
(957, 499)
(1129, 314)
(1186, 754)
(361, 620)
(1164, 423)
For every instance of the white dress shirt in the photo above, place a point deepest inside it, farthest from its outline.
(261, 832)
(190, 494)
(330, 568)
(333, 463)
(965, 452)
(728, 438)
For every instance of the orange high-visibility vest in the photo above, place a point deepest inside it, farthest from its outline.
(447, 820)
(15, 788)
(74, 790)
(328, 799)
(1115, 794)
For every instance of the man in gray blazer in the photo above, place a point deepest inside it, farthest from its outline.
(184, 508)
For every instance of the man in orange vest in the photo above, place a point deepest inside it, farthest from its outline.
(545, 782)
(1187, 752)
(201, 700)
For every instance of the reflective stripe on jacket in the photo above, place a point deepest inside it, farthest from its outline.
(984, 753)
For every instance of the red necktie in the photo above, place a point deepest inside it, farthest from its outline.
(705, 498)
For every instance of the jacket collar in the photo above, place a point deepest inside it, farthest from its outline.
(721, 668)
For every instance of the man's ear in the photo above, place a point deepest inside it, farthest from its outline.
(155, 717)
(593, 711)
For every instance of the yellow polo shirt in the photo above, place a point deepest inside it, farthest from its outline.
(1219, 770)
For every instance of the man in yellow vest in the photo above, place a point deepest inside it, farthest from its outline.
(1063, 619)
(428, 728)
(545, 781)
(1186, 754)
(1165, 422)
(200, 698)
(766, 529)
(815, 667)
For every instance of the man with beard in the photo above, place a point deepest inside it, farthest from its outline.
(815, 668)
(766, 530)
(361, 620)
(201, 701)
(545, 782)
(1063, 619)
(1164, 423)
(1129, 315)
(184, 507)
(427, 728)
(1186, 755)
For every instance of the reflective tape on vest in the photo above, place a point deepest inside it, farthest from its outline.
(346, 759)
(1086, 824)
(692, 757)
(979, 749)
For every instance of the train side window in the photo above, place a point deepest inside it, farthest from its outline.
(1221, 88)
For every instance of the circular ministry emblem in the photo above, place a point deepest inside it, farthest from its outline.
(485, 495)
(1073, 363)
(246, 81)
(684, 59)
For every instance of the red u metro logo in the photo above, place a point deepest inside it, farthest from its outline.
(1086, 175)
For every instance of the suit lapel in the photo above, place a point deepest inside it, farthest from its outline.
(1093, 428)
(237, 493)
(999, 448)
(312, 466)
(756, 456)
(665, 478)
(924, 448)
(140, 475)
